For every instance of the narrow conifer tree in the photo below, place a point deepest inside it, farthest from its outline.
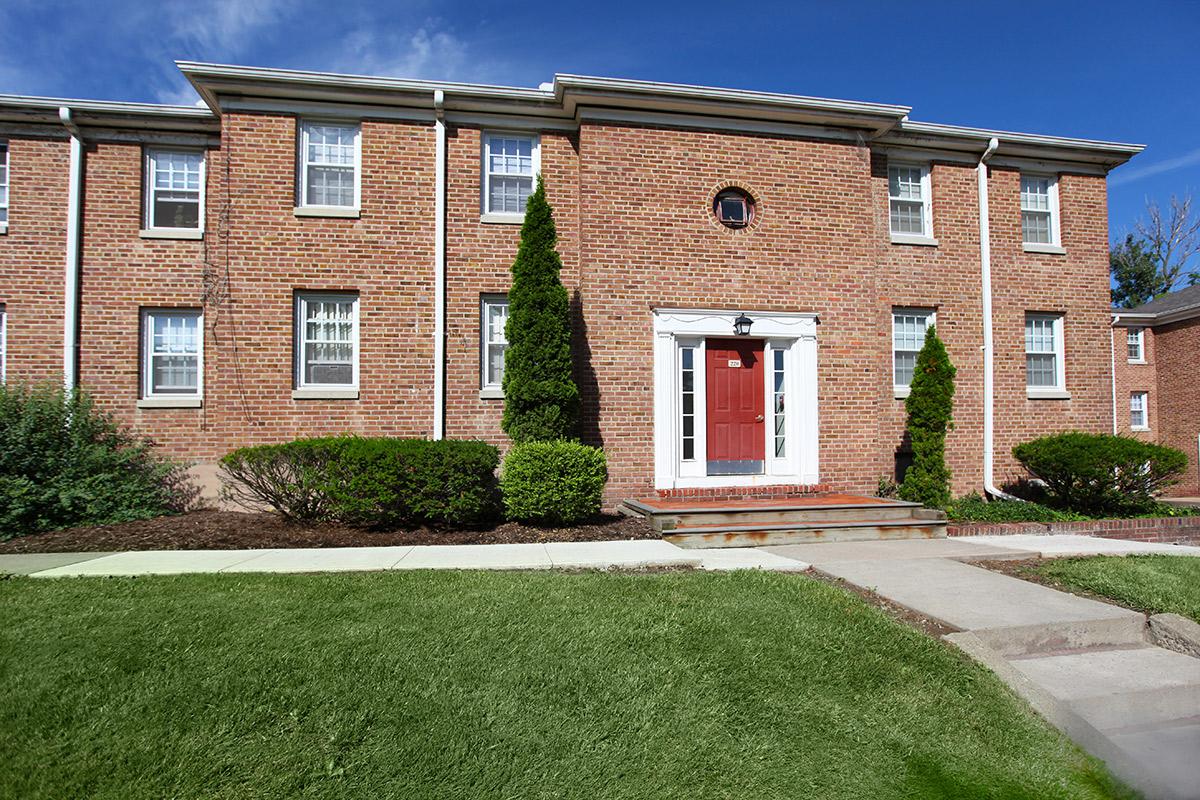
(541, 400)
(930, 406)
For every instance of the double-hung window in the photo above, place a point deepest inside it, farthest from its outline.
(1138, 419)
(3, 187)
(327, 343)
(510, 167)
(494, 342)
(172, 354)
(909, 202)
(1044, 372)
(174, 190)
(1039, 210)
(329, 165)
(1136, 345)
(908, 337)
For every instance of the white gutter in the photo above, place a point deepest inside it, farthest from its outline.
(71, 278)
(1112, 353)
(985, 259)
(439, 257)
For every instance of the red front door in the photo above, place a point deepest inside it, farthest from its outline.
(734, 384)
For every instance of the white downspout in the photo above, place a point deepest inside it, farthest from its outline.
(71, 279)
(985, 258)
(1112, 352)
(439, 282)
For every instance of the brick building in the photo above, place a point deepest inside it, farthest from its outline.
(1156, 366)
(314, 253)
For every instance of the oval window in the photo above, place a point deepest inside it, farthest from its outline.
(734, 208)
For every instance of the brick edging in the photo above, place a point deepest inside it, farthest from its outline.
(1178, 530)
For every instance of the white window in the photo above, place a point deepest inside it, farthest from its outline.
(327, 341)
(1137, 412)
(171, 352)
(909, 200)
(908, 337)
(779, 400)
(1044, 353)
(510, 167)
(1136, 344)
(3, 186)
(1039, 209)
(174, 189)
(687, 403)
(329, 165)
(492, 322)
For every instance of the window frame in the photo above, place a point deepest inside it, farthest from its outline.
(1055, 243)
(930, 314)
(5, 205)
(1145, 410)
(148, 167)
(485, 182)
(1059, 390)
(147, 396)
(489, 389)
(302, 164)
(1140, 333)
(302, 389)
(903, 237)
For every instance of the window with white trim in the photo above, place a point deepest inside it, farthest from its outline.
(329, 164)
(174, 189)
(908, 200)
(172, 344)
(510, 167)
(1136, 345)
(1044, 352)
(779, 400)
(326, 341)
(1138, 419)
(1039, 209)
(494, 341)
(687, 403)
(908, 337)
(3, 186)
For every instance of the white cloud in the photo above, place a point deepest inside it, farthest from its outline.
(1170, 165)
(226, 26)
(423, 53)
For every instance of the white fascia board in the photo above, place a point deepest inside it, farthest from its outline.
(1012, 144)
(103, 114)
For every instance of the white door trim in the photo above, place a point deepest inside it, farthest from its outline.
(795, 334)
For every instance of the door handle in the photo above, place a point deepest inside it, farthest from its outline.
(759, 418)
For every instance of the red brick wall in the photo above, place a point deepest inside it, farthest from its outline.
(32, 258)
(1132, 377)
(1178, 355)
(1168, 530)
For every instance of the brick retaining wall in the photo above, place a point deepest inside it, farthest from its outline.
(1175, 530)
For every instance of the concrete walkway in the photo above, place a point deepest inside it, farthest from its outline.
(1090, 668)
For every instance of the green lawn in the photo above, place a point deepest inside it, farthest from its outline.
(500, 685)
(1154, 584)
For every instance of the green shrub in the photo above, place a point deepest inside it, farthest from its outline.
(368, 482)
(1101, 474)
(973, 508)
(553, 483)
(65, 462)
(929, 405)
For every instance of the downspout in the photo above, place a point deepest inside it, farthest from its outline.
(439, 281)
(71, 278)
(1112, 352)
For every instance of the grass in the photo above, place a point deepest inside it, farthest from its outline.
(506, 685)
(1154, 584)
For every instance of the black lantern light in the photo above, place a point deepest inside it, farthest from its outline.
(741, 325)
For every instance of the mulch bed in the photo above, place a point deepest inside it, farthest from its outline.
(236, 530)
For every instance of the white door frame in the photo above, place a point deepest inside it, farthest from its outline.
(791, 333)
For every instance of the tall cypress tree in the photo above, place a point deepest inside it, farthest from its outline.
(541, 400)
(930, 406)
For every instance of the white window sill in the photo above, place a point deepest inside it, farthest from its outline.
(1047, 394)
(502, 219)
(1136, 361)
(1139, 430)
(344, 212)
(1051, 249)
(3, 229)
(169, 402)
(901, 392)
(314, 393)
(491, 393)
(170, 233)
(911, 238)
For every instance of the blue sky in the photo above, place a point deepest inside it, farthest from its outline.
(1107, 70)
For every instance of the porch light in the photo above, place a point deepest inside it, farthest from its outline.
(741, 325)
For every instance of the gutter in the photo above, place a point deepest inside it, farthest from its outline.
(71, 276)
(439, 257)
(1112, 353)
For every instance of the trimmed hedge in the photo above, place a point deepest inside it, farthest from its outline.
(65, 462)
(1100, 473)
(553, 483)
(368, 482)
(973, 508)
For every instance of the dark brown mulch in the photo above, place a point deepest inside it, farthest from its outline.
(236, 530)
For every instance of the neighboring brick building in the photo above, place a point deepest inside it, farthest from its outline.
(1156, 387)
(316, 253)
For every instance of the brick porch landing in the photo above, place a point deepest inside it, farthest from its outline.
(755, 521)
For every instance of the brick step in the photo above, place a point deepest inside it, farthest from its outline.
(760, 534)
